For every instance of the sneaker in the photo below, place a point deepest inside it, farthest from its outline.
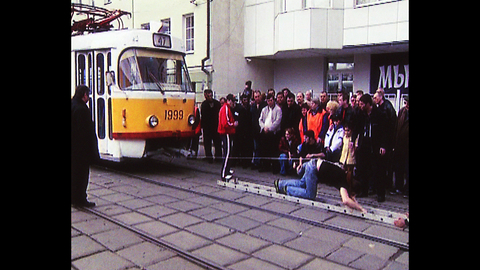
(227, 178)
(275, 183)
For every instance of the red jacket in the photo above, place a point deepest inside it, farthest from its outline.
(225, 120)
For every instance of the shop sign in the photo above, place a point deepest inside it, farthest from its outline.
(390, 71)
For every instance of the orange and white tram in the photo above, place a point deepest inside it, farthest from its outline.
(141, 96)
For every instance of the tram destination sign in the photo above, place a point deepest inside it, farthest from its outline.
(162, 40)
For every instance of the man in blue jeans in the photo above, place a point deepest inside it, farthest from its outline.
(319, 170)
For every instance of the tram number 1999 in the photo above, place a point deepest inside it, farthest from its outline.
(173, 114)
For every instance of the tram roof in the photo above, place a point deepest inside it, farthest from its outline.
(120, 39)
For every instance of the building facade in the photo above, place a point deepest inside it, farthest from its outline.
(300, 44)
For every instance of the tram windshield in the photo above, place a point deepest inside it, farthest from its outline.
(152, 70)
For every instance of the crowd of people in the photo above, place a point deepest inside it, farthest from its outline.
(278, 132)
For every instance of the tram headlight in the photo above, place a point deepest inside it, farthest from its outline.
(191, 120)
(152, 121)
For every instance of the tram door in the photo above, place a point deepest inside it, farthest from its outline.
(102, 64)
(91, 67)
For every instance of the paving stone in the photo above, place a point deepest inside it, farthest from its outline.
(209, 230)
(112, 209)
(229, 194)
(106, 260)
(238, 223)
(273, 234)
(135, 203)
(100, 191)
(282, 256)
(184, 206)
(280, 207)
(145, 254)
(403, 258)
(369, 262)
(366, 246)
(243, 242)
(396, 266)
(345, 255)
(80, 216)
(92, 226)
(326, 235)
(117, 239)
(393, 233)
(290, 224)
(312, 246)
(349, 223)
(220, 254)
(132, 218)
(258, 215)
(185, 240)
(156, 228)
(176, 263)
(117, 197)
(181, 219)
(209, 214)
(313, 214)
(83, 245)
(161, 199)
(156, 211)
(255, 200)
(203, 200)
(318, 263)
(229, 207)
(254, 264)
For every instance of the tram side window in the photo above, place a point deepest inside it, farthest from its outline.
(101, 118)
(100, 74)
(82, 76)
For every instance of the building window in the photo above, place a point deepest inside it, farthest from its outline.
(165, 26)
(340, 76)
(189, 33)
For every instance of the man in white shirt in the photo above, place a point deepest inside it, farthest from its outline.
(269, 121)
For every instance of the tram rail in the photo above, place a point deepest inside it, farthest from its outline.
(374, 238)
(198, 260)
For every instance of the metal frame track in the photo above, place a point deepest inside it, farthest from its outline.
(375, 214)
(182, 253)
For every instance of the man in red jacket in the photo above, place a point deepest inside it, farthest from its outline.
(226, 127)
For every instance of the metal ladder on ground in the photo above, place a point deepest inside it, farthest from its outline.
(375, 214)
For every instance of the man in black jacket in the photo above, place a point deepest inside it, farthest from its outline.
(84, 146)
(372, 144)
(209, 110)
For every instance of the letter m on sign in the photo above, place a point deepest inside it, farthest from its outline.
(384, 77)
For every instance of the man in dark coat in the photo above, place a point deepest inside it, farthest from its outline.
(84, 146)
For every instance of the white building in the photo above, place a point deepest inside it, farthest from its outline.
(299, 44)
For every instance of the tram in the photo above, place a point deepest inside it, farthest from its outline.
(141, 96)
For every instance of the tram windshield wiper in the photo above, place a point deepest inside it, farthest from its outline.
(157, 83)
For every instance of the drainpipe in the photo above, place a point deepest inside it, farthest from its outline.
(207, 57)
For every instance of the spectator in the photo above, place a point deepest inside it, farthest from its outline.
(281, 100)
(334, 140)
(300, 98)
(291, 114)
(309, 97)
(288, 150)
(401, 150)
(310, 148)
(345, 110)
(347, 159)
(323, 100)
(226, 127)
(302, 126)
(269, 121)
(84, 146)
(315, 117)
(248, 90)
(285, 92)
(197, 128)
(256, 109)
(243, 142)
(331, 108)
(386, 107)
(353, 101)
(270, 91)
(319, 171)
(209, 110)
(222, 101)
(371, 147)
